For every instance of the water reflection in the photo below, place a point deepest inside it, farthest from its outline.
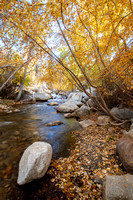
(19, 130)
(32, 118)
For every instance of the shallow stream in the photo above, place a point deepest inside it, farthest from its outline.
(19, 130)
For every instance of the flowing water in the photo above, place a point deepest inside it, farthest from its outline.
(19, 130)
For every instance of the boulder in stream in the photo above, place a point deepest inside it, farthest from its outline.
(67, 107)
(53, 104)
(41, 96)
(68, 115)
(75, 96)
(34, 162)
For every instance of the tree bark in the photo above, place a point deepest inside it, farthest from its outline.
(21, 85)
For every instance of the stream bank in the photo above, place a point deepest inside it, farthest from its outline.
(80, 176)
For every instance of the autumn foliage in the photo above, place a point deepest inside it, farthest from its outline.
(76, 43)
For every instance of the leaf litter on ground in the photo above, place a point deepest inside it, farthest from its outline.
(80, 175)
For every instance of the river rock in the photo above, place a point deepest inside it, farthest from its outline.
(79, 103)
(53, 104)
(81, 112)
(85, 98)
(128, 133)
(75, 96)
(34, 162)
(29, 100)
(90, 103)
(67, 107)
(124, 148)
(124, 114)
(68, 115)
(55, 123)
(86, 123)
(9, 111)
(114, 110)
(41, 96)
(118, 187)
(16, 110)
(103, 120)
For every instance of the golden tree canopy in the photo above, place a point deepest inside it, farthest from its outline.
(95, 36)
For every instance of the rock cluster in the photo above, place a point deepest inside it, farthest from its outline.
(121, 187)
(75, 106)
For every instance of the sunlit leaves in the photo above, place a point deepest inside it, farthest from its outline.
(97, 32)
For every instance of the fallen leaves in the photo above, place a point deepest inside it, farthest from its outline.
(7, 171)
(80, 175)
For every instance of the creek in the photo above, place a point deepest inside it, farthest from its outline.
(19, 130)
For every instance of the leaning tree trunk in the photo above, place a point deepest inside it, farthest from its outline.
(21, 85)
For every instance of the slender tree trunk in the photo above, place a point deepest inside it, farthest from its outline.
(11, 76)
(21, 85)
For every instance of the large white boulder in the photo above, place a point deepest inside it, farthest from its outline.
(75, 96)
(34, 162)
(41, 96)
(67, 107)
